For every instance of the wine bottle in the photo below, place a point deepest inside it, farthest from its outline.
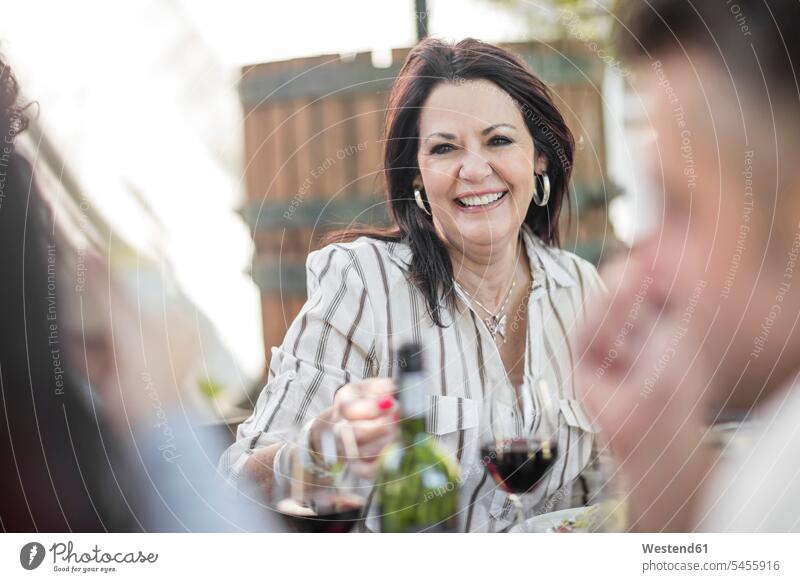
(417, 482)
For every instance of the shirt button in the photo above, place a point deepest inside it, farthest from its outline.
(292, 375)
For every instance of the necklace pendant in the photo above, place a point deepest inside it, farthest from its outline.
(497, 326)
(501, 328)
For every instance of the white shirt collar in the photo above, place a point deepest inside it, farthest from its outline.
(542, 258)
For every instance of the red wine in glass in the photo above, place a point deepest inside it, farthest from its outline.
(518, 464)
(337, 513)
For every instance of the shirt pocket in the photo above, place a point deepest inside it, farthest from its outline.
(453, 421)
(450, 414)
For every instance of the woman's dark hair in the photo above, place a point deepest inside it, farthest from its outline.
(429, 64)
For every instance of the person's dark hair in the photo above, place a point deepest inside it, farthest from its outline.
(750, 38)
(13, 120)
(429, 64)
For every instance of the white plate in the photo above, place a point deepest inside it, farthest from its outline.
(547, 521)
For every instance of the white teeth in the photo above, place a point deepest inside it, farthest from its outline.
(481, 200)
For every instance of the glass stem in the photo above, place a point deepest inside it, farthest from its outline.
(515, 499)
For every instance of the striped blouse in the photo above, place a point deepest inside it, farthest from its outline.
(361, 307)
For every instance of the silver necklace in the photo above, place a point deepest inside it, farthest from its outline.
(496, 321)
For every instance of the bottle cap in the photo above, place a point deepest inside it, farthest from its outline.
(409, 358)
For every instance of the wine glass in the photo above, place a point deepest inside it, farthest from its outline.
(516, 458)
(316, 492)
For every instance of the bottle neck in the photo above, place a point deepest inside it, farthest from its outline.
(413, 399)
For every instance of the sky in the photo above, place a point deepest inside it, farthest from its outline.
(247, 32)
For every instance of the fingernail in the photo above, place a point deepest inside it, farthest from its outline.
(385, 403)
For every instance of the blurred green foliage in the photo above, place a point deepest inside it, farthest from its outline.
(209, 388)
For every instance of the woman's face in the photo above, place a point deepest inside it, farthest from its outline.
(474, 145)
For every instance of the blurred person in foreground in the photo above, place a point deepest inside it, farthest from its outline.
(702, 321)
(95, 436)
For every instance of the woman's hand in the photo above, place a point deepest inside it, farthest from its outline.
(363, 418)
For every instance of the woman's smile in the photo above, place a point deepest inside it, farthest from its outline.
(482, 201)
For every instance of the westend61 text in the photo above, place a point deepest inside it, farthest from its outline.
(670, 549)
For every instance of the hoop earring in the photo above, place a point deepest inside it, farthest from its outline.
(420, 203)
(545, 189)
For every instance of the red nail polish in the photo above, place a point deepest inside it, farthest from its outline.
(385, 403)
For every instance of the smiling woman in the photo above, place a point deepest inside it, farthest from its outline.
(478, 161)
(468, 122)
